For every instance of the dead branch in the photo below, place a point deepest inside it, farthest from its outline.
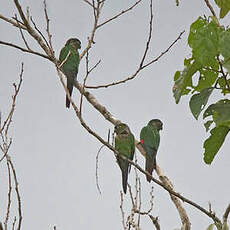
(9, 198)
(155, 222)
(21, 32)
(119, 14)
(122, 212)
(12, 22)
(97, 11)
(139, 69)
(17, 193)
(226, 213)
(32, 32)
(5, 146)
(25, 50)
(210, 8)
(48, 28)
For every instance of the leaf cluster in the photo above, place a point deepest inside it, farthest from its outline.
(205, 72)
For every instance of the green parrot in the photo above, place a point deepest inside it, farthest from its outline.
(150, 140)
(125, 145)
(71, 64)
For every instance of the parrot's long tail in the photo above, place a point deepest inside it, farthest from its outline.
(70, 88)
(124, 179)
(150, 164)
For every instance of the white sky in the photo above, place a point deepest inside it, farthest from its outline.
(55, 157)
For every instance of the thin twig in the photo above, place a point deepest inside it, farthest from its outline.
(223, 74)
(39, 31)
(122, 212)
(17, 193)
(97, 12)
(48, 28)
(89, 3)
(9, 196)
(97, 177)
(139, 69)
(33, 33)
(119, 14)
(166, 51)
(23, 37)
(88, 71)
(12, 22)
(210, 8)
(155, 222)
(25, 50)
(150, 34)
(85, 78)
(226, 213)
(14, 222)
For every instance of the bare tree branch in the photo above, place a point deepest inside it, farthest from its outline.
(32, 32)
(17, 193)
(25, 50)
(97, 10)
(48, 28)
(23, 37)
(139, 69)
(9, 198)
(5, 145)
(210, 8)
(12, 22)
(118, 15)
(155, 222)
(225, 216)
(150, 34)
(122, 212)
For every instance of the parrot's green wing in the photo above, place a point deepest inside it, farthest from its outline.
(69, 59)
(150, 140)
(63, 54)
(150, 137)
(126, 147)
(72, 62)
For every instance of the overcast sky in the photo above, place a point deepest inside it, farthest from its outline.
(55, 157)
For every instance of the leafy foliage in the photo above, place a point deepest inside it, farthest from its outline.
(224, 6)
(214, 142)
(198, 101)
(206, 72)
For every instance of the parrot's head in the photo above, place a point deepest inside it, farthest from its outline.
(122, 129)
(74, 42)
(156, 123)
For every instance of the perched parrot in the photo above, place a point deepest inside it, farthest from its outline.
(69, 59)
(150, 140)
(125, 145)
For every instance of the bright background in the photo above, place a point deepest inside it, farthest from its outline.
(55, 157)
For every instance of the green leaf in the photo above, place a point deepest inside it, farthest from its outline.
(220, 112)
(206, 79)
(210, 227)
(224, 6)
(177, 75)
(224, 43)
(184, 80)
(199, 101)
(207, 125)
(214, 142)
(203, 39)
(195, 26)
